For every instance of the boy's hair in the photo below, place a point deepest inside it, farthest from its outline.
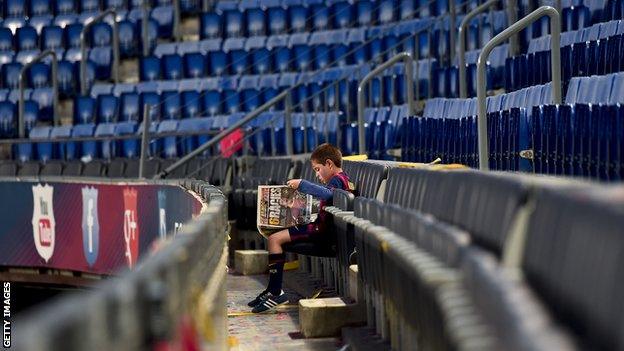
(325, 152)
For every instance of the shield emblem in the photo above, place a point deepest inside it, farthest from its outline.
(90, 224)
(43, 220)
(162, 214)
(131, 226)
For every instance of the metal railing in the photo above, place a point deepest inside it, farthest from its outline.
(83, 49)
(463, 90)
(555, 62)
(22, 87)
(409, 82)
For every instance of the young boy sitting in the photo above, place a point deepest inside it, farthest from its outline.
(327, 162)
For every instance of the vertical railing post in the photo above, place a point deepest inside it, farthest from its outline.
(453, 27)
(409, 81)
(145, 29)
(512, 17)
(463, 89)
(145, 139)
(555, 62)
(22, 87)
(83, 49)
(288, 124)
(176, 20)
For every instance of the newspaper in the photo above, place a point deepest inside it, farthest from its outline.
(280, 206)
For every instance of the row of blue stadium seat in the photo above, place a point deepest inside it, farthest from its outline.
(280, 53)
(35, 8)
(170, 145)
(595, 57)
(57, 38)
(252, 18)
(593, 33)
(583, 137)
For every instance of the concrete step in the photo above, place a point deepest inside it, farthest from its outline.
(249, 262)
(327, 316)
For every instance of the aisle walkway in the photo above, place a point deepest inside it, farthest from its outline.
(274, 331)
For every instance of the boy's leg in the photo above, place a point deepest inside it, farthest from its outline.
(276, 260)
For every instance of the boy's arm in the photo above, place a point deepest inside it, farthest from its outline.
(319, 191)
(315, 190)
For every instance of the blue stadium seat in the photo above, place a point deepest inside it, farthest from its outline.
(277, 20)
(278, 45)
(255, 21)
(10, 75)
(260, 55)
(163, 16)
(65, 7)
(407, 10)
(72, 35)
(172, 104)
(64, 150)
(170, 145)
(194, 125)
(217, 63)
(387, 11)
(52, 38)
(172, 67)
(107, 107)
(39, 75)
(155, 145)
(40, 7)
(233, 22)
(8, 120)
(89, 5)
(191, 104)
(108, 148)
(302, 53)
(102, 59)
(342, 14)
(6, 39)
(210, 25)
(150, 68)
(364, 13)
(211, 101)
(26, 38)
(43, 107)
(320, 17)
(129, 107)
(194, 65)
(43, 149)
(15, 8)
(128, 38)
(129, 147)
(237, 56)
(84, 110)
(101, 34)
(231, 101)
(87, 149)
(298, 18)
(152, 30)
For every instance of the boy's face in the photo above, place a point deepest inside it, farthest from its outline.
(324, 172)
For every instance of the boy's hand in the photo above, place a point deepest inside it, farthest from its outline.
(294, 183)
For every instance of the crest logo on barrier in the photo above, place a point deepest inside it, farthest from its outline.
(43, 220)
(131, 226)
(90, 224)
(162, 214)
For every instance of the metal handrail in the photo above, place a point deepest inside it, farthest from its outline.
(177, 36)
(22, 86)
(144, 139)
(145, 29)
(409, 82)
(463, 90)
(249, 117)
(83, 49)
(555, 62)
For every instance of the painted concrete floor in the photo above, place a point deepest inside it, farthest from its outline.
(274, 331)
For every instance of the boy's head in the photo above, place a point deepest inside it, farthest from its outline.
(326, 161)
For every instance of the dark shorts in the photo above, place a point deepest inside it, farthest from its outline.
(309, 232)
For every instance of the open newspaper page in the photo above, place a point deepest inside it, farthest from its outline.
(280, 206)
